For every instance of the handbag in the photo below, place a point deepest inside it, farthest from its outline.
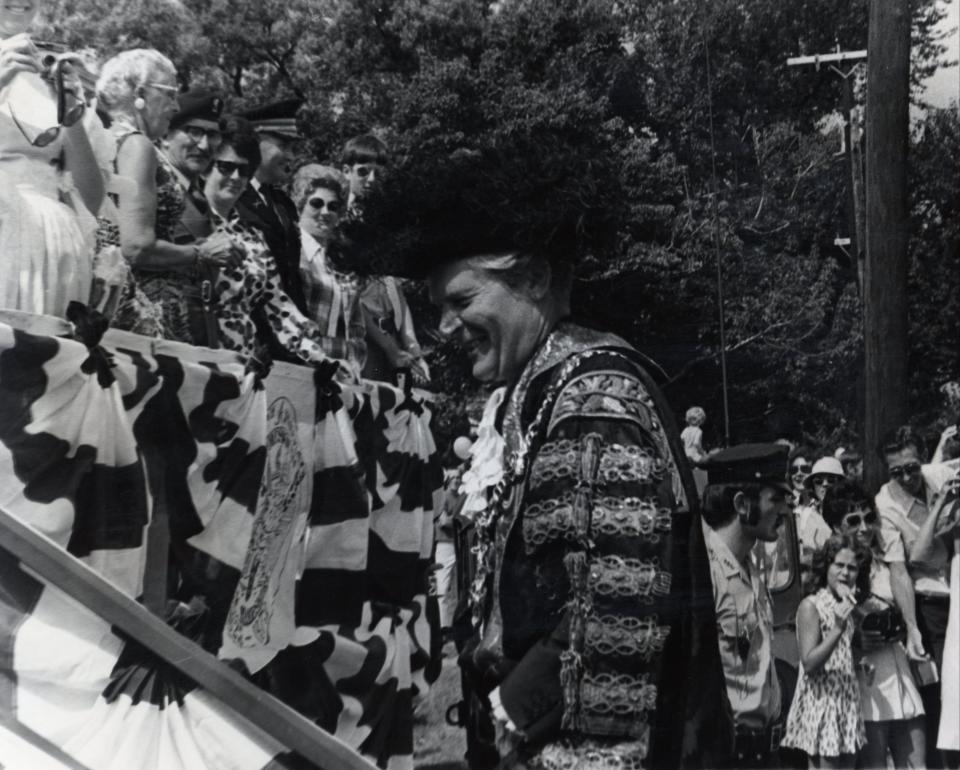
(202, 310)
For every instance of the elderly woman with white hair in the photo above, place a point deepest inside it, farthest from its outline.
(138, 90)
(50, 182)
(595, 640)
(331, 296)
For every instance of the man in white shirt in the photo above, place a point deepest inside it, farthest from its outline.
(904, 503)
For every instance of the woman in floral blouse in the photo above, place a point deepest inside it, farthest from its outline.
(248, 298)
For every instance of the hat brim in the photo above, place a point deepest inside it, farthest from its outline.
(279, 132)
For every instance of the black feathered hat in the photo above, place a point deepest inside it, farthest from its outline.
(540, 193)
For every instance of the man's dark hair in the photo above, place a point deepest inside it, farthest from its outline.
(718, 502)
(365, 148)
(840, 498)
(898, 439)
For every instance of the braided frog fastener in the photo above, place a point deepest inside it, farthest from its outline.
(618, 577)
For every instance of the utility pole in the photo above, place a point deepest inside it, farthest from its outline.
(835, 61)
(885, 272)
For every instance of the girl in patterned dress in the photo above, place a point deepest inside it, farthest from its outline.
(825, 720)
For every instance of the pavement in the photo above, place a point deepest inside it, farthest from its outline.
(437, 745)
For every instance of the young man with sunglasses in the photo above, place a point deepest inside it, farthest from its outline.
(904, 503)
(391, 339)
(191, 141)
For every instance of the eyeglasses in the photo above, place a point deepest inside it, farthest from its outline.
(228, 167)
(65, 118)
(196, 133)
(363, 170)
(804, 468)
(171, 90)
(334, 207)
(853, 520)
(900, 471)
(825, 481)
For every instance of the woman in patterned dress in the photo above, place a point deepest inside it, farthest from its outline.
(825, 720)
(138, 90)
(248, 296)
(890, 702)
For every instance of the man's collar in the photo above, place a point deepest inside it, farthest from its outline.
(722, 554)
(310, 244)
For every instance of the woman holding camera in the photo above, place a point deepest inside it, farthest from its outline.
(49, 178)
(890, 701)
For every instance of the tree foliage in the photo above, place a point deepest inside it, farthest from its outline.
(717, 141)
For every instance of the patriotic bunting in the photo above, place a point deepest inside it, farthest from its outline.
(300, 522)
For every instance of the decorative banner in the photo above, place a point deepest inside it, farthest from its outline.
(317, 504)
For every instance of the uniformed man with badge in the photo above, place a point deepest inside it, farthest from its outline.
(745, 502)
(264, 205)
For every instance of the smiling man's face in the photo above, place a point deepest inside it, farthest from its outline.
(498, 325)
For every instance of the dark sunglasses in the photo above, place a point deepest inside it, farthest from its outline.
(65, 118)
(802, 468)
(228, 167)
(899, 471)
(828, 481)
(364, 170)
(334, 207)
(853, 520)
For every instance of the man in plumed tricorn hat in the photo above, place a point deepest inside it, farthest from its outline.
(594, 630)
(746, 500)
(192, 139)
(264, 204)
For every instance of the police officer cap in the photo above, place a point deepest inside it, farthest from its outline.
(748, 464)
(198, 104)
(276, 118)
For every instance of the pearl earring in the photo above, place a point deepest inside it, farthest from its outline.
(139, 103)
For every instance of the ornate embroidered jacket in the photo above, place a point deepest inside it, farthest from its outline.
(591, 602)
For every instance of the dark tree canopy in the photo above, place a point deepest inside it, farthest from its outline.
(656, 94)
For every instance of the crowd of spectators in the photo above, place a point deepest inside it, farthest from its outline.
(169, 213)
(175, 206)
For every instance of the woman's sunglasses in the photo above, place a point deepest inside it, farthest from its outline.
(804, 468)
(825, 481)
(228, 167)
(65, 118)
(334, 207)
(854, 520)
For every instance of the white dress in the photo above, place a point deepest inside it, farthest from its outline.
(46, 255)
(889, 692)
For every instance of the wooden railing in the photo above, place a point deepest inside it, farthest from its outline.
(52, 564)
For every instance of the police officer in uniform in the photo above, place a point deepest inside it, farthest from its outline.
(745, 502)
(264, 204)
